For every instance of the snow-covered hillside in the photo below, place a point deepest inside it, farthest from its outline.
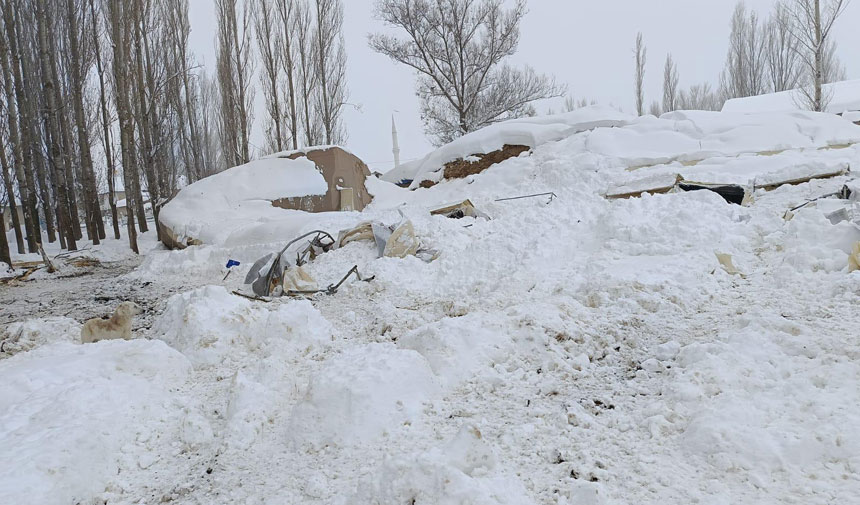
(573, 351)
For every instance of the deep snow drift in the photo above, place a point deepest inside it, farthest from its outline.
(578, 351)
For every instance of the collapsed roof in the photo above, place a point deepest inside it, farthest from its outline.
(240, 203)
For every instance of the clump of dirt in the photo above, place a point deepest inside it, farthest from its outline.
(427, 184)
(85, 262)
(459, 169)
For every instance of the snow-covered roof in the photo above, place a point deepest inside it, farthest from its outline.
(529, 131)
(212, 208)
(844, 96)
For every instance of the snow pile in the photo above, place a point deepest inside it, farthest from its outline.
(211, 209)
(693, 136)
(843, 96)
(457, 347)
(812, 243)
(701, 143)
(361, 395)
(770, 401)
(463, 471)
(531, 132)
(72, 415)
(210, 326)
(27, 335)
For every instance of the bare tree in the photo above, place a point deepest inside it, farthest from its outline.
(9, 191)
(813, 22)
(57, 154)
(207, 118)
(106, 123)
(834, 70)
(79, 65)
(744, 72)
(235, 70)
(270, 46)
(783, 60)
(655, 109)
(331, 68)
(21, 122)
(308, 78)
(670, 85)
(700, 97)
(184, 90)
(118, 19)
(459, 48)
(5, 254)
(641, 53)
(11, 113)
(571, 103)
(287, 14)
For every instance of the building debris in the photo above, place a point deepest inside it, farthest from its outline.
(459, 210)
(854, 258)
(728, 265)
(731, 192)
(277, 275)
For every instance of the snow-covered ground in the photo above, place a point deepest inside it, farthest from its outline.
(579, 351)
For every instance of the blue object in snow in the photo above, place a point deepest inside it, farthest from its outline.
(232, 263)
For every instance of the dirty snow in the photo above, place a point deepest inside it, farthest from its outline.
(577, 351)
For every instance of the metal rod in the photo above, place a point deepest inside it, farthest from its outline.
(551, 195)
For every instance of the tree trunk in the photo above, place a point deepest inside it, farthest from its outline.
(20, 145)
(156, 165)
(289, 68)
(321, 73)
(106, 128)
(5, 256)
(120, 41)
(90, 192)
(52, 123)
(818, 99)
(13, 207)
(32, 105)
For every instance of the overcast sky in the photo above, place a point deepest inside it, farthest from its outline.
(586, 44)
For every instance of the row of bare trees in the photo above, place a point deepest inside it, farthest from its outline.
(791, 50)
(90, 89)
(302, 56)
(104, 99)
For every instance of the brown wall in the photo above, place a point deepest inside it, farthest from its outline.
(339, 168)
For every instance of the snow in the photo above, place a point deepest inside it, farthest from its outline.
(531, 132)
(844, 97)
(357, 396)
(229, 203)
(210, 325)
(582, 351)
(71, 416)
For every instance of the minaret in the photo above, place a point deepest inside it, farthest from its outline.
(395, 142)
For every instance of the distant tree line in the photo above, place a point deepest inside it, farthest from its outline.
(790, 50)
